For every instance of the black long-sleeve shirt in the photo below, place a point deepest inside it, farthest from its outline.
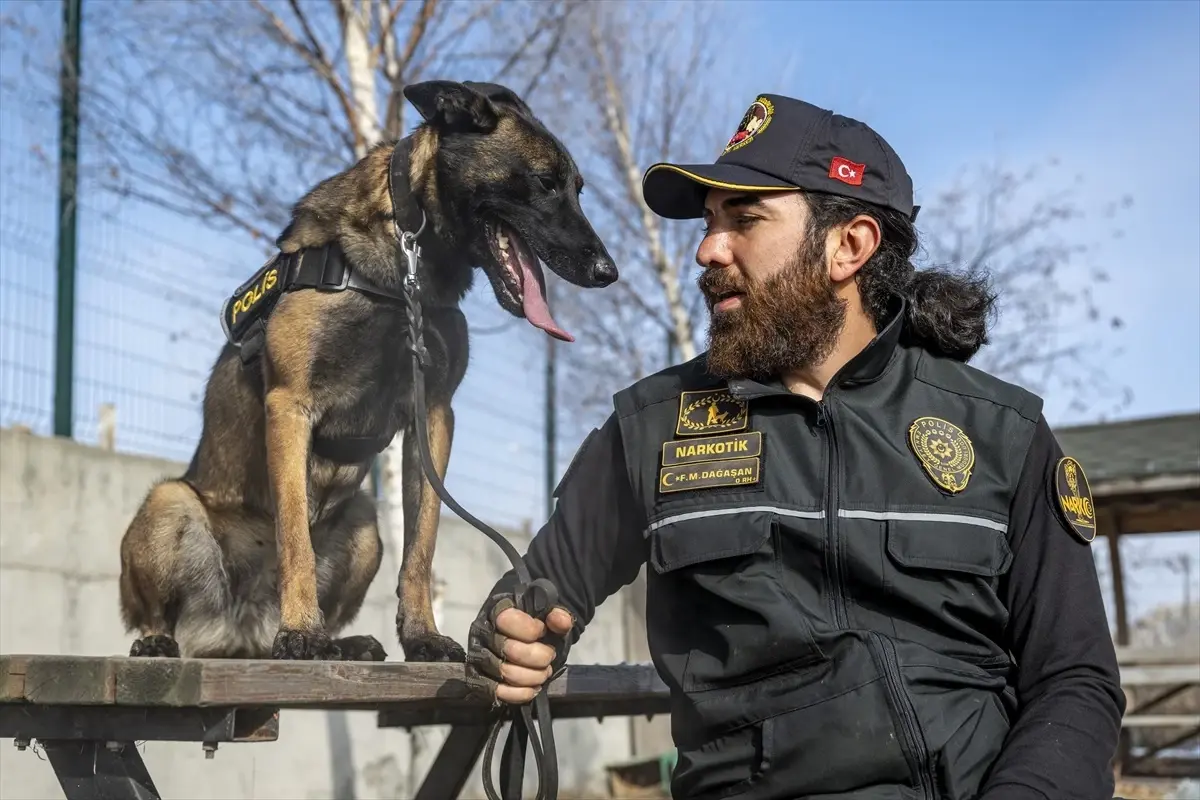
(1068, 685)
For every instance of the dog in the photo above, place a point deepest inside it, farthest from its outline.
(266, 545)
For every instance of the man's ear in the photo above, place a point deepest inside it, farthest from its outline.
(450, 105)
(851, 245)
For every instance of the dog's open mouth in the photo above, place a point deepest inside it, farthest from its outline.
(523, 279)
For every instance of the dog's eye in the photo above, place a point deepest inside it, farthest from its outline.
(547, 182)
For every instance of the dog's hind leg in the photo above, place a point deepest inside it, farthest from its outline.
(169, 560)
(415, 624)
(348, 552)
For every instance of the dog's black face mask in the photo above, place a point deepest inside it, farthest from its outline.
(508, 194)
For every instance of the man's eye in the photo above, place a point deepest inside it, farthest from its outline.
(741, 221)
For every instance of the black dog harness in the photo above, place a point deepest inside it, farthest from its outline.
(244, 314)
(244, 321)
(244, 318)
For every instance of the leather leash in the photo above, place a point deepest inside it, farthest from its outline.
(535, 598)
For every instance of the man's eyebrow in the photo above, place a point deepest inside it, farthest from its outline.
(744, 201)
(739, 201)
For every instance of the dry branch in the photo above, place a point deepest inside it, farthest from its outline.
(227, 112)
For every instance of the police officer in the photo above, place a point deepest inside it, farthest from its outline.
(869, 572)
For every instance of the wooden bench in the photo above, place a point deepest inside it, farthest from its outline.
(87, 712)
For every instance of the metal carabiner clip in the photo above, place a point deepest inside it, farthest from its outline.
(412, 251)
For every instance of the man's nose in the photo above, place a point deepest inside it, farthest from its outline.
(713, 252)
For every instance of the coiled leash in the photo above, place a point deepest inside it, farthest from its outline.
(535, 598)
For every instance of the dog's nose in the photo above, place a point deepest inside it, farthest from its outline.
(603, 272)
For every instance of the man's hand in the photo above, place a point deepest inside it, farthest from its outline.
(525, 660)
(514, 654)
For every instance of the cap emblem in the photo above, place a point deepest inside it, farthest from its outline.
(846, 171)
(754, 121)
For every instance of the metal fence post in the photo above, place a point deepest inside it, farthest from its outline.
(68, 178)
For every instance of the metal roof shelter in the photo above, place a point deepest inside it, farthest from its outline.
(1145, 478)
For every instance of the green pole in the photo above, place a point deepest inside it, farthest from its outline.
(68, 149)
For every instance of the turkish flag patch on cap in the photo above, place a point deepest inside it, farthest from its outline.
(846, 171)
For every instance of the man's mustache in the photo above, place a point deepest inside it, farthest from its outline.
(717, 283)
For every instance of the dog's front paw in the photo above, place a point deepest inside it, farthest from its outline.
(156, 646)
(359, 648)
(303, 646)
(433, 648)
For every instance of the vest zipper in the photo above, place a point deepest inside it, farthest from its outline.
(833, 559)
(910, 727)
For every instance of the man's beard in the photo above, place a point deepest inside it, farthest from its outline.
(790, 321)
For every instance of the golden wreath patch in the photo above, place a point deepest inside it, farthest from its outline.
(1074, 496)
(711, 411)
(944, 450)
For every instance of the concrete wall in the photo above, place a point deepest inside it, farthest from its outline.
(63, 509)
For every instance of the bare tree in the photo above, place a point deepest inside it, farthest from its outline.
(989, 221)
(631, 97)
(626, 95)
(226, 112)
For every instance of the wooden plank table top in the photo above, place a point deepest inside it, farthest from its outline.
(199, 683)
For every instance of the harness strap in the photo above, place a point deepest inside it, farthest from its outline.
(324, 268)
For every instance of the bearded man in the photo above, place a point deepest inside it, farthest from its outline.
(869, 572)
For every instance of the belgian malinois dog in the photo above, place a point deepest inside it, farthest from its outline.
(267, 544)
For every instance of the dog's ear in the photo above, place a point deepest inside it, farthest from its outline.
(450, 105)
(500, 94)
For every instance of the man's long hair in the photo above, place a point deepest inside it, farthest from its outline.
(947, 313)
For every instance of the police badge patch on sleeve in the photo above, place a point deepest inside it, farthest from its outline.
(1073, 497)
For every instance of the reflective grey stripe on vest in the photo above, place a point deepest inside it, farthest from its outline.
(718, 512)
(918, 516)
(915, 516)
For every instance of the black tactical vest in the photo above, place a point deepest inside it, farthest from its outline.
(823, 578)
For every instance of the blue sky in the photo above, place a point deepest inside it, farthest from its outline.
(1109, 87)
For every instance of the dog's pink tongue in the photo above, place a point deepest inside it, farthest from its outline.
(533, 297)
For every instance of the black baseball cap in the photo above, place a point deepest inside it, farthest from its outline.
(785, 144)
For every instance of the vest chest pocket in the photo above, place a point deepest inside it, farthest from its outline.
(717, 598)
(942, 575)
